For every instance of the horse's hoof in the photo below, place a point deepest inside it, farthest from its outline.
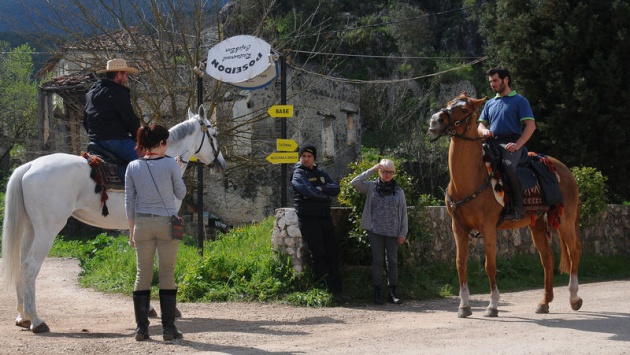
(542, 309)
(24, 323)
(464, 312)
(491, 312)
(42, 328)
(152, 313)
(178, 314)
(576, 305)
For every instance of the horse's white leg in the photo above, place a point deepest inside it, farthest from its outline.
(462, 244)
(31, 265)
(31, 269)
(576, 301)
(493, 307)
(21, 321)
(464, 301)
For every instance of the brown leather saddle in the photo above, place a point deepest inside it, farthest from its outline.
(108, 166)
(537, 175)
(108, 172)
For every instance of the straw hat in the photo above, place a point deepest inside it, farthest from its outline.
(118, 65)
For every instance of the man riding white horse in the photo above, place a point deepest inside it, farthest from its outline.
(109, 118)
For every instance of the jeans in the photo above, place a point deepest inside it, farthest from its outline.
(384, 246)
(510, 162)
(122, 148)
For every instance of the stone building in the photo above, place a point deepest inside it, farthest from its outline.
(326, 114)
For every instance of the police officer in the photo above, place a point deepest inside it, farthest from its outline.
(313, 191)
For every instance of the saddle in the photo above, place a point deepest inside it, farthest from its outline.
(537, 175)
(106, 174)
(111, 167)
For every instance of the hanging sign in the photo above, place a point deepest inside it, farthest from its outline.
(238, 59)
(261, 80)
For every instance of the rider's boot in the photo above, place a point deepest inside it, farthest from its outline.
(168, 299)
(141, 310)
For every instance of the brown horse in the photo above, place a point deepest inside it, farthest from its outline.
(472, 206)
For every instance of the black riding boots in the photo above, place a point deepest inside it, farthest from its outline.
(141, 310)
(378, 295)
(168, 299)
(393, 295)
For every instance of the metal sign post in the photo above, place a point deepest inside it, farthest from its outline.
(201, 230)
(283, 101)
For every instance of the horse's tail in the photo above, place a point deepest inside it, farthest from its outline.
(15, 222)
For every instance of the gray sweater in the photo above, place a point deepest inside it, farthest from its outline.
(372, 222)
(142, 195)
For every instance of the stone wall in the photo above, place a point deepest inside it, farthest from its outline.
(326, 114)
(609, 236)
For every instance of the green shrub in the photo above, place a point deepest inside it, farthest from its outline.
(356, 248)
(239, 265)
(592, 193)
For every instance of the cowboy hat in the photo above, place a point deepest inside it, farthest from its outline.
(118, 65)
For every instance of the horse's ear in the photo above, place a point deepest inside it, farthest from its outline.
(477, 103)
(190, 113)
(201, 112)
(213, 117)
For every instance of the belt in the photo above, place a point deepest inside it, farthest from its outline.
(149, 215)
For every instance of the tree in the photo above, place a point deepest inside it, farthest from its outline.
(18, 99)
(569, 58)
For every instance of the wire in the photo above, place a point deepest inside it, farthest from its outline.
(373, 56)
(356, 81)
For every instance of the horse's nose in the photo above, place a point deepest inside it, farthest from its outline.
(435, 122)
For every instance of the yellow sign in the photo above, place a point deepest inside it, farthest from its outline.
(279, 111)
(286, 145)
(283, 157)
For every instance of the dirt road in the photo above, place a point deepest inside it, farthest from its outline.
(83, 321)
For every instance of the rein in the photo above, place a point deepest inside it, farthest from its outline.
(455, 204)
(451, 132)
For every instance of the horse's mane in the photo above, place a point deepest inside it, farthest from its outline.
(183, 129)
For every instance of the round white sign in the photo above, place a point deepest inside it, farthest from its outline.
(238, 59)
(261, 80)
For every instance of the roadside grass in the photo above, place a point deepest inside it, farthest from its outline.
(241, 266)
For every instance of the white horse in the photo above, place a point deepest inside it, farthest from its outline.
(42, 194)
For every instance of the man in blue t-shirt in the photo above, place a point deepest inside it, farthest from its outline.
(508, 118)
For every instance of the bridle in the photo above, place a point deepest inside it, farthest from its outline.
(204, 128)
(452, 124)
(451, 132)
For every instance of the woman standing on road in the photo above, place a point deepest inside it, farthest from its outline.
(385, 219)
(151, 185)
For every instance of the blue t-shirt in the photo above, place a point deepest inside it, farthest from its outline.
(505, 114)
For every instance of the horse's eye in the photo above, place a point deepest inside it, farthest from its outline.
(465, 109)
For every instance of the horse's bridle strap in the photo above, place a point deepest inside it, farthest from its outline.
(204, 128)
